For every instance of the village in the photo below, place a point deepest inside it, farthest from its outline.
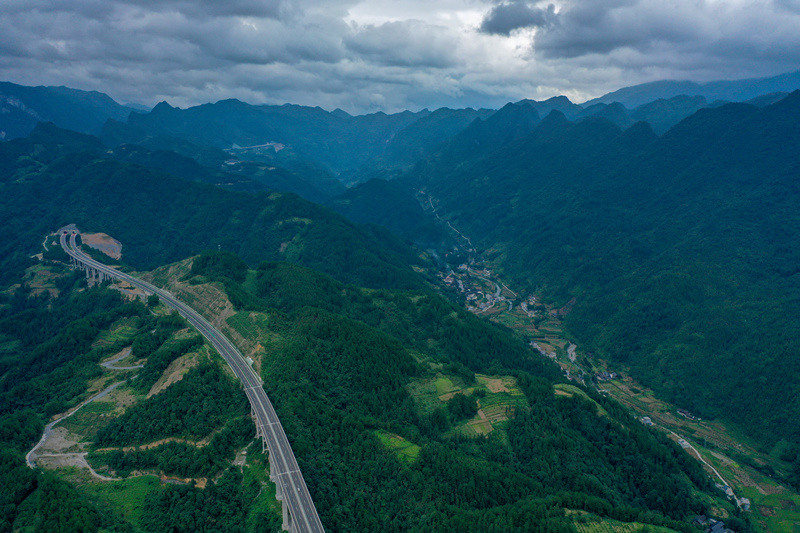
(484, 294)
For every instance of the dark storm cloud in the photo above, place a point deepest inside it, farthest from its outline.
(506, 17)
(170, 35)
(601, 26)
(201, 8)
(224, 8)
(364, 55)
(691, 32)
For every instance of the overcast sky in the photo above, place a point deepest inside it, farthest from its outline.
(388, 54)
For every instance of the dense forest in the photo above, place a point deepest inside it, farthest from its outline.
(678, 250)
(350, 333)
(49, 352)
(177, 458)
(367, 203)
(341, 359)
(192, 408)
(56, 177)
(47, 359)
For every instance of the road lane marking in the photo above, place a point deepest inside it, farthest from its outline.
(303, 511)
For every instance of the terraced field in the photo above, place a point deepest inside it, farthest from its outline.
(587, 523)
(774, 508)
(497, 398)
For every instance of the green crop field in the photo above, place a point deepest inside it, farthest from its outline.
(589, 523)
(773, 507)
(498, 397)
(405, 450)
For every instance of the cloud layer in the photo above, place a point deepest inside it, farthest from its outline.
(389, 55)
(506, 17)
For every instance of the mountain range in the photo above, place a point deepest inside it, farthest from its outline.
(729, 90)
(353, 147)
(676, 249)
(21, 108)
(652, 228)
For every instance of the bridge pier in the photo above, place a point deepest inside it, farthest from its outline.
(93, 275)
(288, 523)
(309, 521)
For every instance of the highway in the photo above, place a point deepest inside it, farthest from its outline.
(283, 465)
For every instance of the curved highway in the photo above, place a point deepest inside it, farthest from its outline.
(284, 469)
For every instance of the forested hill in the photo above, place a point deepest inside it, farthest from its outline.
(379, 392)
(680, 250)
(334, 140)
(22, 107)
(391, 205)
(731, 90)
(56, 177)
(405, 412)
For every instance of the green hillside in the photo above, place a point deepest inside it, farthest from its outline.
(406, 411)
(391, 205)
(350, 372)
(340, 360)
(22, 107)
(57, 177)
(678, 251)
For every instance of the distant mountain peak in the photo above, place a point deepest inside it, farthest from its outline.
(554, 119)
(638, 136)
(162, 107)
(731, 90)
(561, 99)
(23, 106)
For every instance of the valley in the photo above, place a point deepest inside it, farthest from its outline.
(111, 452)
(542, 316)
(748, 480)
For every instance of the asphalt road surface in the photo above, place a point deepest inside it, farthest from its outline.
(287, 472)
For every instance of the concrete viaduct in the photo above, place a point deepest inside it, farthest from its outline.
(299, 512)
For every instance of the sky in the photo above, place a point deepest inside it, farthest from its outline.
(388, 54)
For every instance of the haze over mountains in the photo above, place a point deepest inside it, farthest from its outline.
(338, 141)
(730, 90)
(657, 224)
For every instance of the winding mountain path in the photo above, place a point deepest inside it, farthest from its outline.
(111, 364)
(30, 457)
(299, 512)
